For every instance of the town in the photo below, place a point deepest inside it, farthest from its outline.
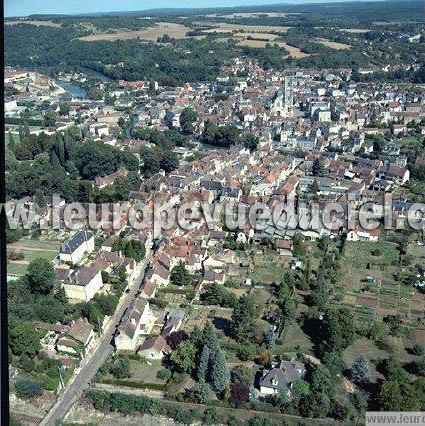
(214, 323)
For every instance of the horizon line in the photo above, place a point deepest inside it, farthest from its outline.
(290, 3)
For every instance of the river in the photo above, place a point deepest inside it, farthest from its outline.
(73, 89)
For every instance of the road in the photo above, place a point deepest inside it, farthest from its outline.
(75, 387)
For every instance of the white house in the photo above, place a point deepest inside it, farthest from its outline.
(136, 322)
(281, 377)
(154, 348)
(75, 249)
(83, 283)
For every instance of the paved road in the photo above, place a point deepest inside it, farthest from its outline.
(78, 383)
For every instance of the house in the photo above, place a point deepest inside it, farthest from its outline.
(391, 148)
(154, 348)
(396, 174)
(76, 248)
(81, 331)
(77, 338)
(211, 277)
(159, 275)
(102, 182)
(281, 377)
(364, 235)
(83, 283)
(48, 341)
(149, 289)
(284, 247)
(135, 322)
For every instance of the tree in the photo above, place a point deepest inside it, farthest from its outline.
(24, 339)
(396, 396)
(180, 276)
(220, 374)
(393, 371)
(184, 357)
(200, 393)
(360, 371)
(164, 374)
(11, 142)
(394, 323)
(265, 358)
(216, 294)
(420, 366)
(315, 405)
(150, 160)
(333, 362)
(64, 109)
(28, 389)
(187, 118)
(322, 381)
(41, 276)
(131, 248)
(203, 363)
(360, 401)
(270, 338)
(250, 141)
(50, 118)
(243, 319)
(337, 331)
(26, 363)
(121, 368)
(299, 389)
(169, 161)
(241, 374)
(239, 393)
(319, 168)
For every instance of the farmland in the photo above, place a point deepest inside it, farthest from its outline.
(355, 30)
(176, 31)
(227, 28)
(33, 22)
(370, 287)
(333, 44)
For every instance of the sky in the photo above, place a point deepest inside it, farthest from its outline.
(30, 7)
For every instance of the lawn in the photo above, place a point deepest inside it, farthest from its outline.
(145, 373)
(293, 338)
(31, 250)
(16, 268)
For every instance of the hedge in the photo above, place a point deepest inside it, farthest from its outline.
(130, 384)
(29, 121)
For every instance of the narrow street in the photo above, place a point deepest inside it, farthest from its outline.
(75, 387)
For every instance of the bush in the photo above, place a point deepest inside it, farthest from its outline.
(246, 353)
(28, 389)
(121, 368)
(200, 393)
(418, 349)
(51, 383)
(164, 374)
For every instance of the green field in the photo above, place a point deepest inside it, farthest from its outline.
(31, 249)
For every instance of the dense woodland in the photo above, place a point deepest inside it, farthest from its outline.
(61, 164)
